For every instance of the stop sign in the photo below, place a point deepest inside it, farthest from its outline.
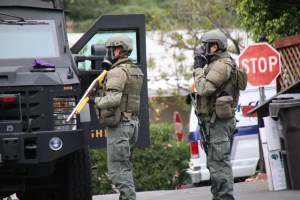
(261, 62)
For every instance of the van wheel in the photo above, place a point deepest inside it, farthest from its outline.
(78, 172)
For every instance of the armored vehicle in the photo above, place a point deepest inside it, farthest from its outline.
(42, 155)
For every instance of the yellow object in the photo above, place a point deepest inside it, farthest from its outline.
(81, 106)
(85, 98)
(101, 77)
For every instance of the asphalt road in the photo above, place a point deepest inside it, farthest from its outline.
(242, 191)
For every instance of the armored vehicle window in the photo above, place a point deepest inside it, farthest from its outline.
(37, 40)
(100, 38)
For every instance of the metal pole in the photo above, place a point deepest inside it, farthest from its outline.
(262, 168)
(262, 95)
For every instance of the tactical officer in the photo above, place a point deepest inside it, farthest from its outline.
(118, 107)
(218, 98)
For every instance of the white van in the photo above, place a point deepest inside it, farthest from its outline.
(244, 149)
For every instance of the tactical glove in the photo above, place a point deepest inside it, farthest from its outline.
(200, 60)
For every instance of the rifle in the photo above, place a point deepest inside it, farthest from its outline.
(85, 98)
(191, 98)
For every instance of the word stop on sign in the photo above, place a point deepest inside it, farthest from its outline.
(259, 65)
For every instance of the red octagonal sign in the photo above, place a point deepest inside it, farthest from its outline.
(262, 63)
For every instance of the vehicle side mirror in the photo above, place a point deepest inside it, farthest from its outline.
(97, 50)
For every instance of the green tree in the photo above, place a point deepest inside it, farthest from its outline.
(195, 17)
(84, 12)
(179, 28)
(268, 20)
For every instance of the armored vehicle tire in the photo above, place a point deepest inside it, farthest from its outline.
(71, 180)
(79, 183)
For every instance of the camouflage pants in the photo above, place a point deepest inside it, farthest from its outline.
(120, 141)
(218, 159)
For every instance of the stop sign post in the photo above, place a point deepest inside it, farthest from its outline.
(261, 62)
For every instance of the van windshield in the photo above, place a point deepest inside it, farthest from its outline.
(37, 40)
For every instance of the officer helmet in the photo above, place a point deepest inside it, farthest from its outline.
(120, 40)
(215, 36)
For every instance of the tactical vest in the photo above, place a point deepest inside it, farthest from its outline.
(228, 88)
(130, 101)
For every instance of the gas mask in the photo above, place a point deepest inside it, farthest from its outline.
(109, 59)
(206, 48)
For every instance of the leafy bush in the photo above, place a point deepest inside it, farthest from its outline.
(101, 182)
(162, 165)
(158, 167)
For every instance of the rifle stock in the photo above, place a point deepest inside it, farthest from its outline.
(203, 131)
(85, 98)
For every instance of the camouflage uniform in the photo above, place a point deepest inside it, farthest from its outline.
(209, 81)
(122, 89)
